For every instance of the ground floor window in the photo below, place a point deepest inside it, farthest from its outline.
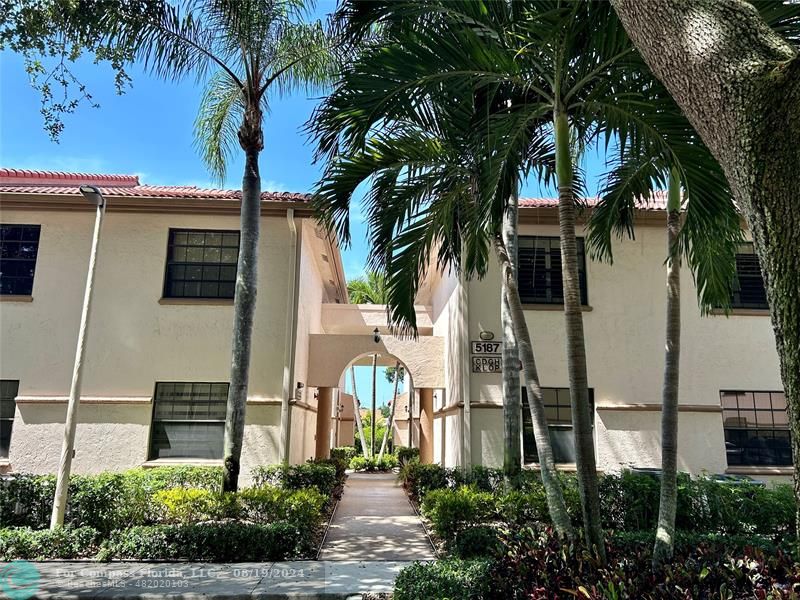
(756, 428)
(188, 420)
(8, 394)
(559, 419)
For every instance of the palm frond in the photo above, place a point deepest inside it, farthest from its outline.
(217, 123)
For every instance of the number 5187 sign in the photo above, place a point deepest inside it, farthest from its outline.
(486, 357)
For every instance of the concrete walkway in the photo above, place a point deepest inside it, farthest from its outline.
(374, 522)
(265, 581)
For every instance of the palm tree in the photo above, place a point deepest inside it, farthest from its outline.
(370, 289)
(512, 402)
(250, 50)
(443, 206)
(708, 240)
(397, 377)
(357, 414)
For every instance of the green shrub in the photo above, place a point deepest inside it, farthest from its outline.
(340, 458)
(629, 501)
(268, 504)
(26, 500)
(486, 479)
(420, 478)
(344, 453)
(405, 454)
(444, 579)
(104, 502)
(451, 511)
(524, 507)
(386, 463)
(216, 542)
(193, 505)
(294, 477)
(477, 542)
(32, 544)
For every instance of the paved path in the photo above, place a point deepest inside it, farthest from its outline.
(374, 521)
(266, 581)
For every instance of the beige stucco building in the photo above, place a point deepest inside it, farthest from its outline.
(158, 349)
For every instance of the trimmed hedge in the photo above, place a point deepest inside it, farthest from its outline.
(40, 544)
(629, 501)
(319, 475)
(217, 542)
(167, 513)
(453, 579)
(361, 463)
(104, 502)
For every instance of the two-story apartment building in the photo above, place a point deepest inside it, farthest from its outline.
(158, 349)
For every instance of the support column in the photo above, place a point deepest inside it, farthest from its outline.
(426, 425)
(324, 405)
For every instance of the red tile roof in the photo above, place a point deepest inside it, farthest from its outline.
(23, 181)
(658, 201)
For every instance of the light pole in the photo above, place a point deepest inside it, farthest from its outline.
(94, 197)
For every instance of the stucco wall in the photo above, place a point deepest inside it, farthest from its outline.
(133, 341)
(624, 333)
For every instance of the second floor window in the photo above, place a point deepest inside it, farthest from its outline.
(188, 420)
(540, 280)
(756, 429)
(559, 419)
(201, 264)
(19, 246)
(8, 395)
(748, 289)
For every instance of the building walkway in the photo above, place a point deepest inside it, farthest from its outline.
(375, 522)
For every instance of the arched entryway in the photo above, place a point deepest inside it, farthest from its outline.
(332, 355)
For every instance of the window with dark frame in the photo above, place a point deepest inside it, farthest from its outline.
(559, 420)
(539, 272)
(201, 264)
(8, 405)
(19, 246)
(748, 289)
(188, 420)
(756, 429)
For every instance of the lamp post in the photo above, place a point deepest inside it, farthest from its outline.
(94, 197)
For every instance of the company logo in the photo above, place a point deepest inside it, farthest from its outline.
(19, 580)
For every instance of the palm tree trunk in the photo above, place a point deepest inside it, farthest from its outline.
(669, 394)
(390, 424)
(582, 419)
(357, 409)
(552, 487)
(244, 305)
(512, 410)
(374, 402)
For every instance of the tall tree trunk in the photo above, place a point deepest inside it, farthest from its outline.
(374, 402)
(357, 416)
(390, 424)
(582, 418)
(552, 487)
(244, 302)
(512, 405)
(667, 506)
(739, 84)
